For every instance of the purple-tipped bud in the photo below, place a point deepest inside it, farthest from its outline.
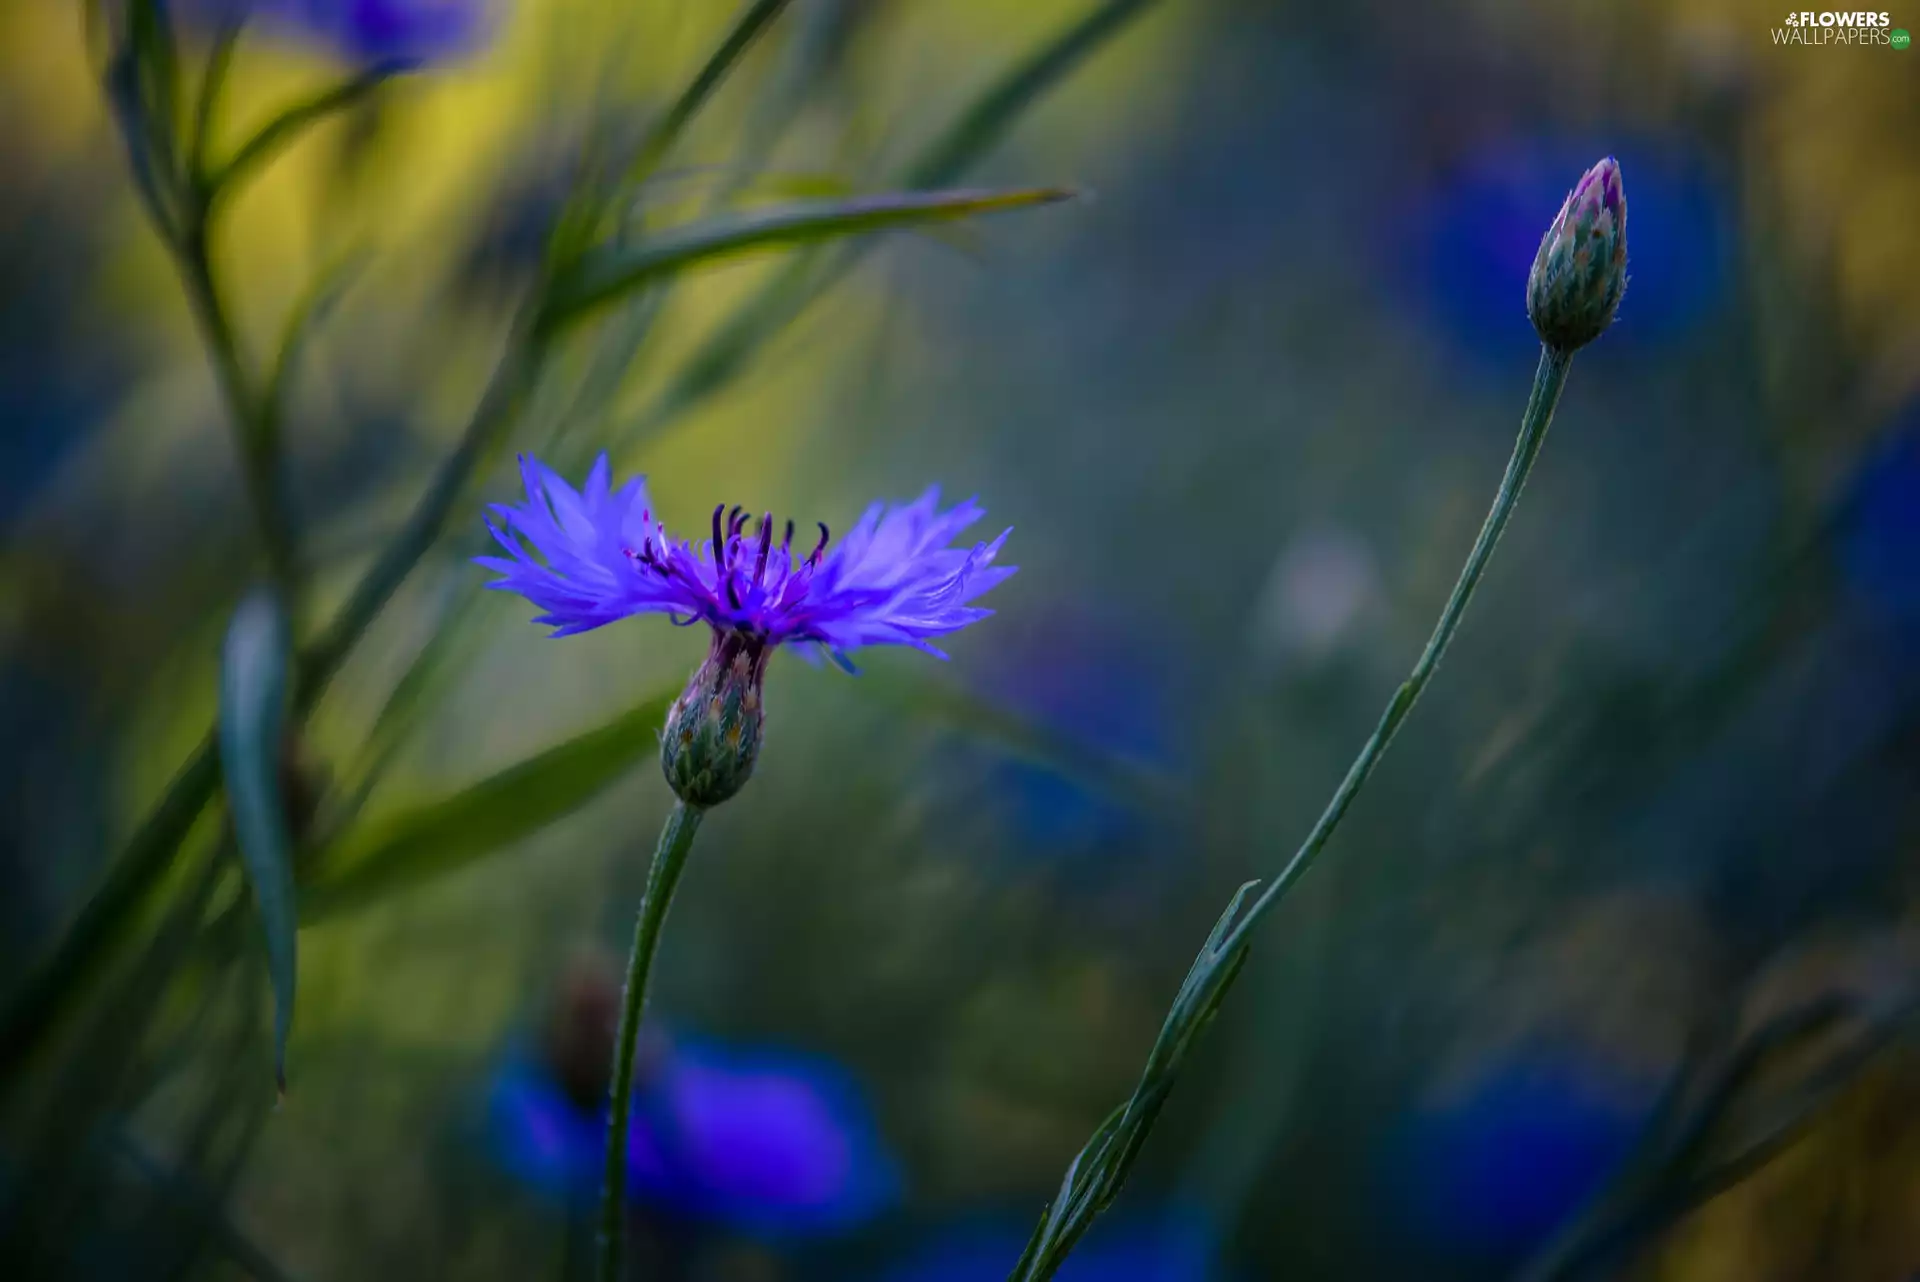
(712, 736)
(1581, 269)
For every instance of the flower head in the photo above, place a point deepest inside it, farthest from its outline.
(893, 580)
(1580, 270)
(590, 556)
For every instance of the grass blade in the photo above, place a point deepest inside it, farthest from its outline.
(253, 711)
(607, 274)
(756, 18)
(284, 129)
(582, 217)
(987, 120)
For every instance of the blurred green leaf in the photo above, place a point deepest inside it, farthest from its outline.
(253, 712)
(110, 912)
(285, 128)
(441, 836)
(729, 349)
(988, 118)
(604, 275)
(309, 312)
(213, 85)
(579, 222)
(753, 20)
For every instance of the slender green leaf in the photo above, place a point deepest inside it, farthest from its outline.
(253, 713)
(441, 836)
(606, 274)
(293, 121)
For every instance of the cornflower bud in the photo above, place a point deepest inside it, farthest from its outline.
(1581, 269)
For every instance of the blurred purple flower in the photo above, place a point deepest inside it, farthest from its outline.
(1110, 692)
(405, 31)
(1158, 1250)
(1474, 233)
(766, 1143)
(892, 581)
(1496, 1166)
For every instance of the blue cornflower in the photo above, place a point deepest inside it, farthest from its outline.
(763, 1142)
(602, 556)
(892, 581)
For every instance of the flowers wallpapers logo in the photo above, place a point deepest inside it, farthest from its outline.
(1805, 27)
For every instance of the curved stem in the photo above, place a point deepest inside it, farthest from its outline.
(255, 439)
(1109, 1156)
(676, 838)
(1549, 377)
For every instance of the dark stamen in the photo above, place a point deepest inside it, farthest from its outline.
(813, 557)
(786, 542)
(766, 546)
(719, 542)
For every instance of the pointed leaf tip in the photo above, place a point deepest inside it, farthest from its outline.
(254, 680)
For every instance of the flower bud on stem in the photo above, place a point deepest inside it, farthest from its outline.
(1581, 269)
(712, 736)
(1574, 289)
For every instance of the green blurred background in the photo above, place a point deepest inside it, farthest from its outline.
(1243, 403)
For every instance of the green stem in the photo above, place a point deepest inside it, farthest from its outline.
(1549, 377)
(254, 438)
(676, 838)
(1109, 1156)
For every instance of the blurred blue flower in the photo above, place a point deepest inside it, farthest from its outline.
(1495, 1166)
(1086, 682)
(1879, 536)
(766, 1143)
(406, 31)
(1163, 1249)
(1472, 237)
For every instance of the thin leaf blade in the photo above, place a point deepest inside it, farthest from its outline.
(606, 274)
(292, 121)
(254, 685)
